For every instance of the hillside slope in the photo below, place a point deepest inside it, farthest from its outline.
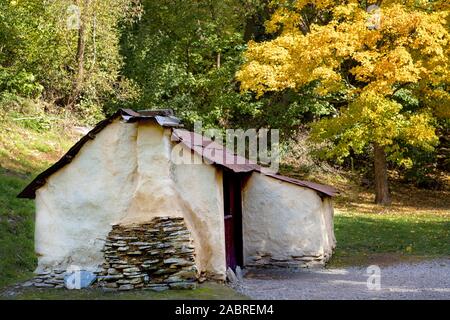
(30, 141)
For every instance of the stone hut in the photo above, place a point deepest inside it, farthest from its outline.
(118, 205)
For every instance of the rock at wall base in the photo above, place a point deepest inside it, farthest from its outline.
(239, 274)
(231, 276)
(126, 287)
(157, 288)
(183, 285)
(43, 285)
(28, 284)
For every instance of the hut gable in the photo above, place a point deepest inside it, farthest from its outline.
(166, 119)
(118, 204)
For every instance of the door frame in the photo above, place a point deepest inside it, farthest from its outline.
(232, 206)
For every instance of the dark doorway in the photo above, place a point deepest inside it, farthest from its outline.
(233, 218)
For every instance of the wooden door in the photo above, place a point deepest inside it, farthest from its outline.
(233, 218)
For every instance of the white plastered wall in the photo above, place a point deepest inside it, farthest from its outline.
(200, 189)
(284, 220)
(78, 204)
(125, 176)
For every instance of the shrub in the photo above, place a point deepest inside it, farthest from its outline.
(20, 83)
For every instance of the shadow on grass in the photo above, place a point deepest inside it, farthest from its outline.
(369, 238)
(17, 258)
(206, 291)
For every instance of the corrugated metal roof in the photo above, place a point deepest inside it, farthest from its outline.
(328, 190)
(219, 155)
(164, 117)
(211, 151)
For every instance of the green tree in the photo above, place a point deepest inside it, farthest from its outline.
(368, 56)
(184, 55)
(70, 48)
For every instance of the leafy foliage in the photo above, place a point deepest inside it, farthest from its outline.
(21, 83)
(389, 65)
(319, 60)
(184, 56)
(39, 47)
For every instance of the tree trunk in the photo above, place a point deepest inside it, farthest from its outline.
(250, 28)
(382, 195)
(81, 45)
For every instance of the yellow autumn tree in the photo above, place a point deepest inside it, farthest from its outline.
(367, 52)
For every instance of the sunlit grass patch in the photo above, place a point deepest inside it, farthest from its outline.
(17, 258)
(362, 235)
(25, 150)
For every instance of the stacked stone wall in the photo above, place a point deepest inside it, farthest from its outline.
(156, 255)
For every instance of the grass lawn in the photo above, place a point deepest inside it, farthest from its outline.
(206, 291)
(17, 259)
(416, 226)
(364, 238)
(26, 148)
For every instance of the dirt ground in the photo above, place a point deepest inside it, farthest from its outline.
(428, 280)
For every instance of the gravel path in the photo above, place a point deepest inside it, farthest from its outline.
(421, 280)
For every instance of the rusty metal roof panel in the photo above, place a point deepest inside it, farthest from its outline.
(210, 150)
(218, 154)
(164, 117)
(169, 121)
(156, 112)
(213, 152)
(324, 189)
